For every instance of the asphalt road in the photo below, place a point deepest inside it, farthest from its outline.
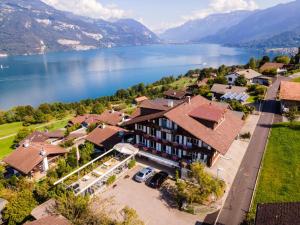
(239, 197)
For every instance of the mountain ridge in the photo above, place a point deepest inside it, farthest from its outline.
(35, 27)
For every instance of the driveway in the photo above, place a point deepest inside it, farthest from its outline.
(148, 202)
(239, 198)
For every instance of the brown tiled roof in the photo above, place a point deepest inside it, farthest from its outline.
(107, 137)
(139, 119)
(175, 94)
(289, 91)
(271, 65)
(111, 117)
(24, 159)
(50, 220)
(55, 134)
(83, 118)
(248, 73)
(223, 89)
(36, 136)
(278, 214)
(140, 99)
(219, 138)
(208, 112)
(45, 209)
(159, 104)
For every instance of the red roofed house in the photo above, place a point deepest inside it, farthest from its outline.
(289, 95)
(109, 117)
(194, 130)
(33, 157)
(105, 137)
(138, 100)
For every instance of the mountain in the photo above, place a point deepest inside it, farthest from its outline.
(277, 26)
(30, 27)
(197, 29)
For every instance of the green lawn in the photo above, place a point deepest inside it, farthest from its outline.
(12, 128)
(297, 79)
(279, 180)
(5, 146)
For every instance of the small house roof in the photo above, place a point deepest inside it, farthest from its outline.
(25, 158)
(271, 65)
(278, 213)
(248, 73)
(223, 89)
(105, 136)
(50, 220)
(177, 94)
(140, 99)
(289, 91)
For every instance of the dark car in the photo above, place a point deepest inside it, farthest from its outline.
(158, 179)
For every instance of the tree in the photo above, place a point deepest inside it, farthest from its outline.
(80, 110)
(220, 80)
(130, 217)
(86, 152)
(264, 60)
(282, 59)
(22, 134)
(98, 108)
(19, 207)
(292, 114)
(241, 81)
(252, 63)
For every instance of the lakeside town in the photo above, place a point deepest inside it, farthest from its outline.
(213, 146)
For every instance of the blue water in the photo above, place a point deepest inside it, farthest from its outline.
(71, 76)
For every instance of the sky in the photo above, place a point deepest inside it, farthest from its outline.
(158, 15)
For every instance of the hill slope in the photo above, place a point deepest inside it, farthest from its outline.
(196, 29)
(273, 27)
(30, 27)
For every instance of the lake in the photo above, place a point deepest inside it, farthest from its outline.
(72, 76)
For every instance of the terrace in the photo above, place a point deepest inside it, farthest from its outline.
(92, 177)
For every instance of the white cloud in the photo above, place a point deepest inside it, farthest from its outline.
(222, 6)
(89, 8)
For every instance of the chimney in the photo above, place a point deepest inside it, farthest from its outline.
(103, 126)
(26, 143)
(170, 103)
(112, 111)
(189, 99)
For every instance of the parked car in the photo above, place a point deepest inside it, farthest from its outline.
(158, 179)
(144, 174)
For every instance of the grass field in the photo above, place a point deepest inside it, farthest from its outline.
(13, 128)
(6, 146)
(297, 79)
(279, 180)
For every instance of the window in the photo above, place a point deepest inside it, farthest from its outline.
(152, 132)
(164, 135)
(195, 141)
(230, 79)
(140, 127)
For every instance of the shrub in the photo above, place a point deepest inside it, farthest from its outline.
(131, 164)
(246, 135)
(111, 180)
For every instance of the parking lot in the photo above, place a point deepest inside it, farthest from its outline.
(149, 203)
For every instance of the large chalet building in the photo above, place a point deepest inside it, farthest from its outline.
(195, 129)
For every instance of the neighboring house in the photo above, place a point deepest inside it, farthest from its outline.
(138, 100)
(110, 117)
(33, 157)
(39, 136)
(279, 67)
(3, 203)
(263, 80)
(218, 90)
(249, 74)
(278, 214)
(154, 106)
(289, 95)
(45, 214)
(197, 85)
(50, 220)
(175, 94)
(195, 130)
(106, 137)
